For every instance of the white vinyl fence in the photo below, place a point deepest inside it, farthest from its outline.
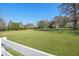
(24, 50)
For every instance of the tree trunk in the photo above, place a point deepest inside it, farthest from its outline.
(74, 17)
(75, 25)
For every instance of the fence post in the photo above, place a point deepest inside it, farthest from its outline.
(0, 46)
(3, 43)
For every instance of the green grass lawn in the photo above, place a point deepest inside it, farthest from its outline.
(13, 52)
(54, 42)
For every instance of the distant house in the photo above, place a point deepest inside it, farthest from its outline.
(69, 23)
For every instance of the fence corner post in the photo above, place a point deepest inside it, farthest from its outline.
(3, 43)
(0, 46)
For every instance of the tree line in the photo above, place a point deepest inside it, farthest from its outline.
(69, 20)
(14, 25)
(58, 22)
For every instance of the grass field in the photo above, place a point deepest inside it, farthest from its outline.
(13, 52)
(54, 42)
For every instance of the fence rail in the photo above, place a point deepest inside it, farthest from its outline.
(24, 50)
(5, 53)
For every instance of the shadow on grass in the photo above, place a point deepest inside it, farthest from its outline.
(76, 32)
(69, 31)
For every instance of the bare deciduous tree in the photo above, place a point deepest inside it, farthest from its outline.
(70, 9)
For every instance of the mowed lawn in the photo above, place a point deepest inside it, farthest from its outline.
(53, 42)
